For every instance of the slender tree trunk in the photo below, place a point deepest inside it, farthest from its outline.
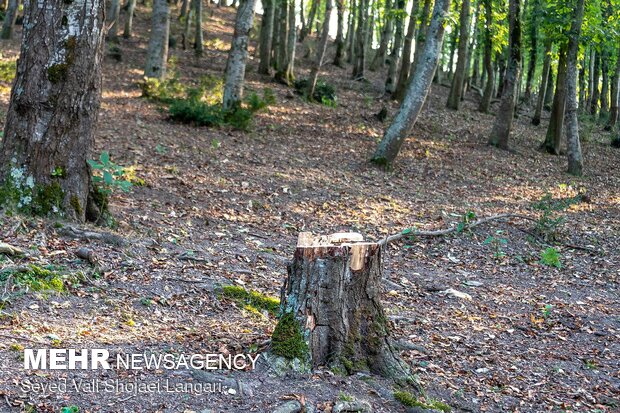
(605, 85)
(533, 51)
(386, 37)
(501, 63)
(9, 19)
(575, 159)
(595, 81)
(553, 138)
(282, 40)
(422, 32)
(307, 29)
(320, 53)
(453, 43)
(157, 55)
(131, 7)
(53, 109)
(394, 58)
(405, 67)
(582, 85)
(359, 61)
(485, 103)
(237, 57)
(456, 91)
(505, 115)
(276, 46)
(187, 25)
(198, 39)
(266, 36)
(351, 31)
(340, 46)
(543, 83)
(418, 89)
(113, 20)
(549, 93)
(291, 43)
(615, 97)
(184, 7)
(592, 58)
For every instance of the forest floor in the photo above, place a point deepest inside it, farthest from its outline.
(223, 207)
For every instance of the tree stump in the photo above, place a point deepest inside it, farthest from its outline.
(331, 310)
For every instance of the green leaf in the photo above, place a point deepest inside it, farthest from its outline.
(105, 157)
(406, 231)
(108, 178)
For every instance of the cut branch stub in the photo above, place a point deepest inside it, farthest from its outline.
(333, 293)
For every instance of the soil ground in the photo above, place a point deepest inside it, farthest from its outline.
(222, 206)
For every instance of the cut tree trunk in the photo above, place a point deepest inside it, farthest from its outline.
(53, 110)
(332, 297)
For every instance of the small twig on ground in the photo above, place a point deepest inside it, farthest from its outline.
(86, 234)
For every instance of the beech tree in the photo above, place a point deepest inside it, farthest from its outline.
(575, 159)
(238, 54)
(266, 36)
(505, 115)
(456, 91)
(418, 88)
(157, 54)
(53, 110)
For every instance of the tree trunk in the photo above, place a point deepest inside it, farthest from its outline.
(592, 57)
(131, 7)
(553, 139)
(266, 36)
(235, 65)
(307, 29)
(340, 46)
(351, 32)
(549, 93)
(114, 18)
(157, 55)
(386, 38)
(595, 81)
(53, 108)
(485, 103)
(575, 159)
(456, 91)
(582, 85)
(543, 83)
(187, 25)
(291, 44)
(359, 61)
(9, 19)
(331, 309)
(531, 68)
(422, 32)
(418, 89)
(615, 97)
(605, 85)
(198, 39)
(405, 67)
(453, 43)
(505, 115)
(278, 36)
(320, 53)
(394, 58)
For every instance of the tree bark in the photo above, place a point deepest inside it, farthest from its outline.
(485, 103)
(549, 93)
(331, 300)
(291, 43)
(605, 84)
(351, 32)
(394, 58)
(9, 19)
(615, 97)
(543, 83)
(505, 115)
(198, 37)
(340, 46)
(405, 67)
(418, 89)
(575, 159)
(386, 37)
(237, 57)
(456, 91)
(531, 68)
(307, 29)
(422, 33)
(320, 53)
(187, 25)
(266, 36)
(131, 7)
(157, 55)
(359, 60)
(114, 18)
(595, 81)
(553, 139)
(54, 106)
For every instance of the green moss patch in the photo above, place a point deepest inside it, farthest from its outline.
(409, 400)
(287, 340)
(252, 301)
(35, 278)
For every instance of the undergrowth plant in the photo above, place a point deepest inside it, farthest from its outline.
(324, 93)
(497, 243)
(108, 176)
(551, 257)
(551, 219)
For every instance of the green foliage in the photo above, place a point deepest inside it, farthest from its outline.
(497, 242)
(8, 69)
(34, 278)
(70, 409)
(551, 221)
(324, 92)
(256, 103)
(165, 91)
(546, 311)
(108, 176)
(409, 400)
(467, 219)
(254, 299)
(287, 340)
(551, 257)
